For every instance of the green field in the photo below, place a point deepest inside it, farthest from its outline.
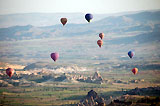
(63, 93)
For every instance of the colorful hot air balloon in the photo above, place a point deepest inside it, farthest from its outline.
(54, 56)
(63, 21)
(101, 35)
(99, 42)
(89, 17)
(10, 72)
(130, 54)
(135, 70)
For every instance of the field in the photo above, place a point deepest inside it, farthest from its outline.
(67, 93)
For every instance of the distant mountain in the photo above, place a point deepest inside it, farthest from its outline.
(144, 21)
(48, 19)
(43, 19)
(141, 38)
(15, 32)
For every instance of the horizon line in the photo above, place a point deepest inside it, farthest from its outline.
(78, 12)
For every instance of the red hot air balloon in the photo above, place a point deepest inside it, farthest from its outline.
(99, 42)
(54, 56)
(101, 35)
(63, 21)
(10, 72)
(135, 70)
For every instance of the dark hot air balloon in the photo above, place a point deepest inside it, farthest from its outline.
(54, 56)
(101, 35)
(10, 72)
(63, 21)
(88, 17)
(130, 54)
(135, 70)
(99, 42)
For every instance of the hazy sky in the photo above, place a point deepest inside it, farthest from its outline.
(84, 6)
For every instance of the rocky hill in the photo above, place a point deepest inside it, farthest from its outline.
(92, 99)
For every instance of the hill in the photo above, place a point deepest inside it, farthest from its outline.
(145, 21)
(43, 19)
(48, 19)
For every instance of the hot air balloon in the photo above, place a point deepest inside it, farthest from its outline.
(54, 56)
(135, 70)
(88, 17)
(130, 54)
(10, 72)
(99, 42)
(101, 35)
(63, 21)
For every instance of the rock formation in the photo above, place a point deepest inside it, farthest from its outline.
(92, 99)
(95, 79)
(97, 76)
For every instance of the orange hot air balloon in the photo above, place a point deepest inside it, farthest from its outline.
(101, 35)
(99, 42)
(10, 72)
(135, 70)
(63, 21)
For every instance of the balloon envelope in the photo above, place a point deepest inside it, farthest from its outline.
(135, 70)
(130, 54)
(99, 42)
(88, 17)
(10, 72)
(101, 35)
(54, 56)
(63, 21)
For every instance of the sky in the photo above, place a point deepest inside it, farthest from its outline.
(72, 6)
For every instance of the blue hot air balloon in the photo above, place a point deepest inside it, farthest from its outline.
(88, 17)
(130, 54)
